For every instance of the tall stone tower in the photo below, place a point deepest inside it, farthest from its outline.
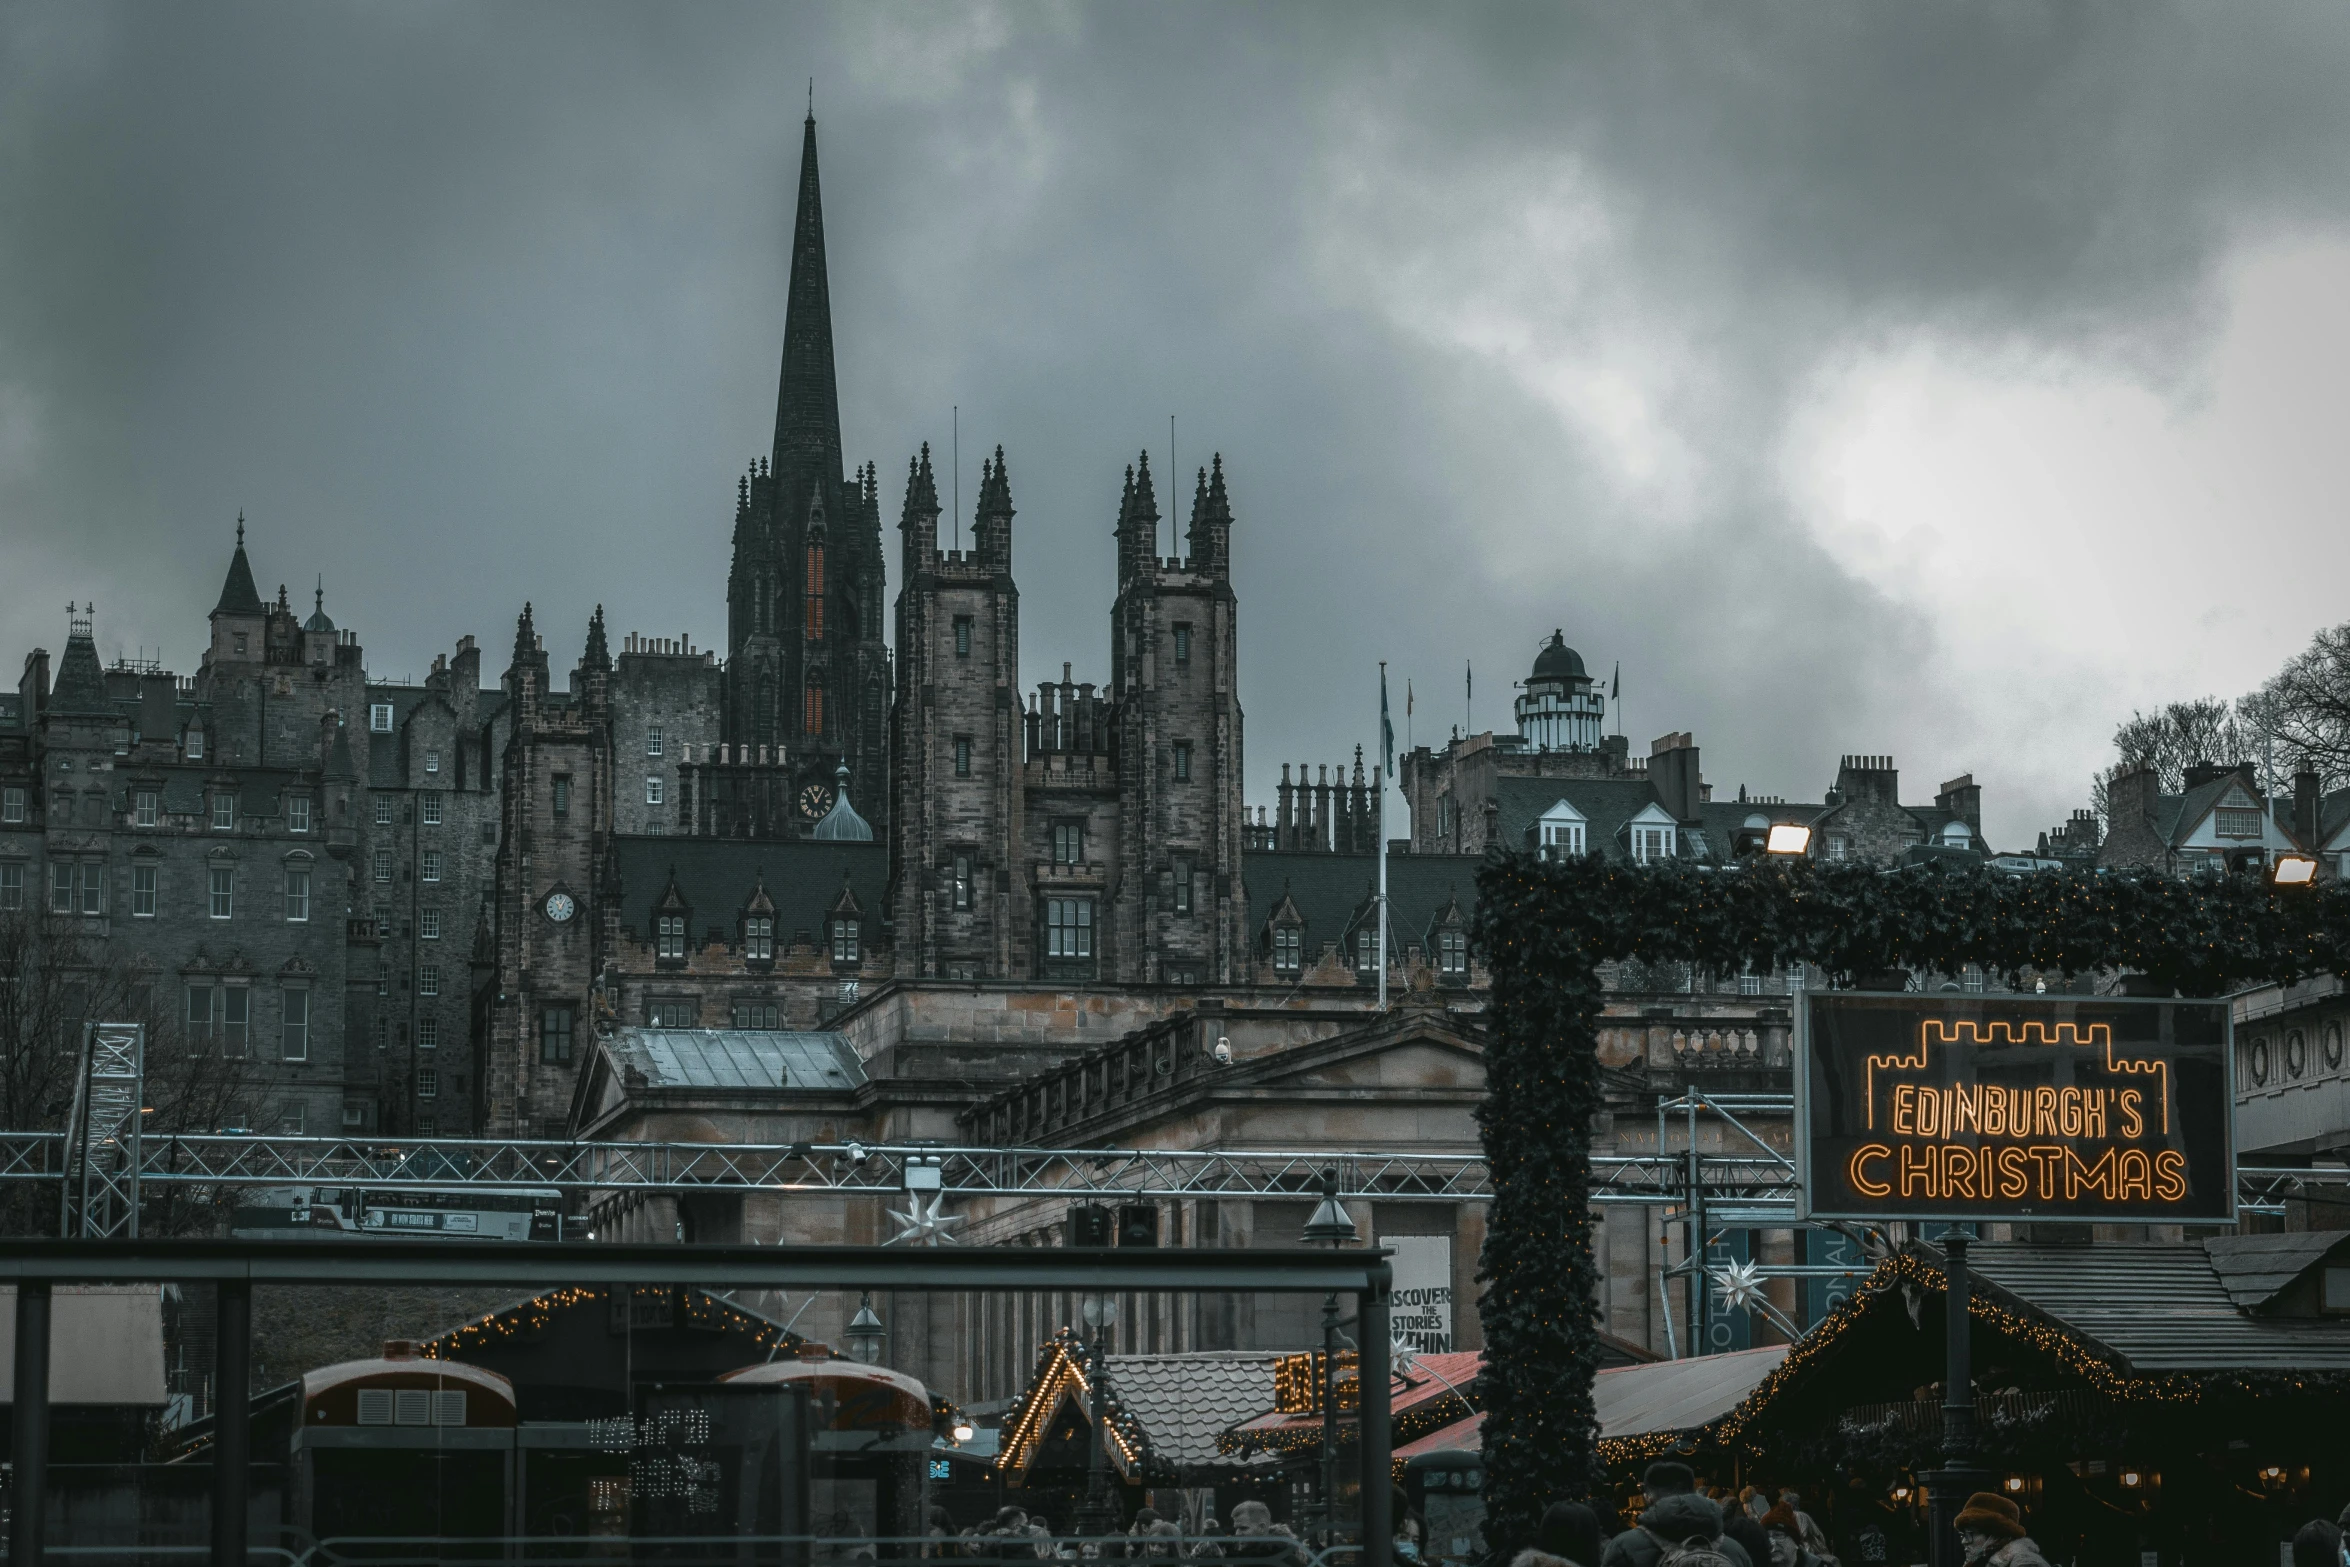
(1179, 911)
(807, 669)
(961, 903)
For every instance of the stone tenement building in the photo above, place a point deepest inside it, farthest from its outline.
(809, 893)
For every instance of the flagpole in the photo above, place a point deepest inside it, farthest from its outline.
(1379, 822)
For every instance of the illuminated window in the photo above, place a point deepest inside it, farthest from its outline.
(814, 611)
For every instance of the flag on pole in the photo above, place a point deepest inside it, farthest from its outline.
(1386, 724)
(1615, 686)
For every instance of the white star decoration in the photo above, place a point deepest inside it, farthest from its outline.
(1741, 1284)
(922, 1226)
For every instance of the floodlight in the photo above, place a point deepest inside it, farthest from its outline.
(1788, 838)
(2294, 870)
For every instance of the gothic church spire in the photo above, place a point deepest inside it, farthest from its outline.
(807, 399)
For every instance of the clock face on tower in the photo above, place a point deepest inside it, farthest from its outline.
(559, 907)
(815, 800)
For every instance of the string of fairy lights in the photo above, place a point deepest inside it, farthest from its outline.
(1061, 1366)
(1544, 927)
(526, 1319)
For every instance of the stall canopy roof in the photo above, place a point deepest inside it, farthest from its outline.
(1662, 1395)
(1184, 1402)
(2159, 1309)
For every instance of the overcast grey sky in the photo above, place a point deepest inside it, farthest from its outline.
(1928, 379)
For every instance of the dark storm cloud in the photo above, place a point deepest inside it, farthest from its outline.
(1498, 315)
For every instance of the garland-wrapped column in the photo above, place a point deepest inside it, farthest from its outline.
(1540, 1300)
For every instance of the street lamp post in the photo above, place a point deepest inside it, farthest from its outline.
(1099, 1518)
(1330, 1226)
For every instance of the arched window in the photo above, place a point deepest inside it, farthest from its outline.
(812, 710)
(813, 611)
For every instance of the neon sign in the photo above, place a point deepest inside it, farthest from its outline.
(2042, 1107)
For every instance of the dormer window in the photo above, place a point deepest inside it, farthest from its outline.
(844, 941)
(670, 938)
(1652, 845)
(147, 809)
(224, 811)
(1957, 835)
(1561, 833)
(379, 718)
(1367, 952)
(195, 745)
(297, 812)
(1289, 945)
(1452, 952)
(758, 939)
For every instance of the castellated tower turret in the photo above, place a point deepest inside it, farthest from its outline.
(961, 902)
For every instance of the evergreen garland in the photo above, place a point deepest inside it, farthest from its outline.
(1543, 927)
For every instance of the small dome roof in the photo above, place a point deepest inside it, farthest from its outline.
(318, 620)
(1557, 661)
(842, 824)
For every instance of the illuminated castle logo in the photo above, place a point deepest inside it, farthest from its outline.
(1995, 1111)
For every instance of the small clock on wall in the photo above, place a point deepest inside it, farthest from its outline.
(815, 800)
(559, 906)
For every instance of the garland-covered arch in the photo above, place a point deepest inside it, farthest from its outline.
(1546, 926)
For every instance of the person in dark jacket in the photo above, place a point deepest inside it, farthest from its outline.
(1671, 1520)
(1738, 1525)
(1570, 1531)
(1671, 1486)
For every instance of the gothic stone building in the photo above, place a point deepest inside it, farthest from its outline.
(831, 888)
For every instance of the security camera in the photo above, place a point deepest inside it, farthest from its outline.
(1223, 1052)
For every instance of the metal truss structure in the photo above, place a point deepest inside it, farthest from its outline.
(1750, 1189)
(102, 1156)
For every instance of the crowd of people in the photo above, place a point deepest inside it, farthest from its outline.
(1683, 1524)
(1016, 1537)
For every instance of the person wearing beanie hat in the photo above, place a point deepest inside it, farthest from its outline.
(1991, 1533)
(1783, 1529)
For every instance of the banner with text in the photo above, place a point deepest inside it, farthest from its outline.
(1970, 1107)
(1421, 1313)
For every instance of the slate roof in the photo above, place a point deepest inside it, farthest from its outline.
(2254, 1268)
(773, 1060)
(1607, 804)
(81, 683)
(2158, 1309)
(238, 596)
(1185, 1402)
(718, 876)
(1333, 891)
